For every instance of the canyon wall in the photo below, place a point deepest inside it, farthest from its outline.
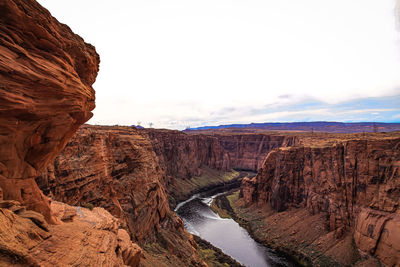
(182, 155)
(248, 151)
(116, 168)
(355, 183)
(172, 158)
(111, 167)
(129, 171)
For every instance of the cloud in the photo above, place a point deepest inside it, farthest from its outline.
(383, 109)
(182, 62)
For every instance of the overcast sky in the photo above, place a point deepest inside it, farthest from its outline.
(179, 63)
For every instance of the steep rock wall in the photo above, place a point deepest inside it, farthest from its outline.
(110, 153)
(355, 183)
(46, 77)
(116, 168)
(248, 151)
(111, 167)
(182, 155)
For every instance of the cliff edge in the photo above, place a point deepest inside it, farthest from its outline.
(46, 77)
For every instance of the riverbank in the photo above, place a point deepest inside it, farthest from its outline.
(294, 233)
(213, 256)
(225, 234)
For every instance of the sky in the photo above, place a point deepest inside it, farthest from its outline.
(190, 63)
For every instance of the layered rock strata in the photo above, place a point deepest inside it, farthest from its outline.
(111, 167)
(355, 184)
(172, 158)
(182, 155)
(248, 151)
(46, 77)
(116, 168)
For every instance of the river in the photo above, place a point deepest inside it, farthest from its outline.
(225, 234)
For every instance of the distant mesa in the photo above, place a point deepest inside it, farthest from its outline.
(137, 126)
(318, 126)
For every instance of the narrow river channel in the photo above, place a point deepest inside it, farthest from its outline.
(225, 234)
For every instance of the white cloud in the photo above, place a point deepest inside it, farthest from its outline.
(187, 58)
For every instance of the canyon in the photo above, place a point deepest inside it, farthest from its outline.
(334, 181)
(100, 161)
(137, 174)
(81, 195)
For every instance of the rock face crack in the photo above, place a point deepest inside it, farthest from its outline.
(379, 236)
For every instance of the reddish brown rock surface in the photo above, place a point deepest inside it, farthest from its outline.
(354, 183)
(86, 238)
(248, 151)
(111, 167)
(182, 155)
(46, 77)
(116, 168)
(116, 156)
(129, 172)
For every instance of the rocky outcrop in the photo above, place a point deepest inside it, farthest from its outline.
(355, 183)
(46, 77)
(85, 238)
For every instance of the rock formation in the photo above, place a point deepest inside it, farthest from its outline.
(190, 151)
(86, 238)
(248, 151)
(355, 183)
(46, 77)
(114, 168)
(132, 172)
(113, 157)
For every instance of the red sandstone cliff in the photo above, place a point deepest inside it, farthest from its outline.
(116, 168)
(46, 77)
(182, 155)
(110, 153)
(248, 151)
(111, 167)
(355, 183)
(129, 172)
